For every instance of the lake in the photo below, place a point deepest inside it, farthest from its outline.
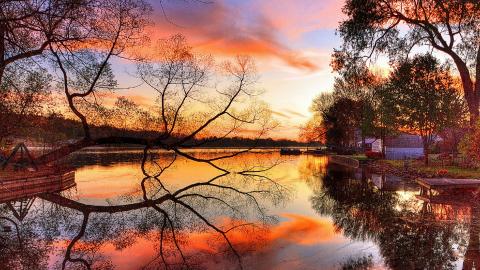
(273, 212)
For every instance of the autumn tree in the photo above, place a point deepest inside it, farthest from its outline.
(451, 138)
(314, 130)
(387, 112)
(355, 85)
(427, 98)
(23, 96)
(397, 27)
(341, 120)
(358, 83)
(469, 147)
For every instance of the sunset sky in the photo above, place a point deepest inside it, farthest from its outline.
(290, 40)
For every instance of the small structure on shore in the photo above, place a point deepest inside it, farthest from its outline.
(21, 178)
(290, 151)
(402, 146)
(20, 158)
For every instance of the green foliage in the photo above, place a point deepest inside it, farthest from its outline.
(396, 27)
(426, 96)
(387, 111)
(340, 121)
(420, 96)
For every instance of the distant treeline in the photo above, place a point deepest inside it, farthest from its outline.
(247, 142)
(55, 129)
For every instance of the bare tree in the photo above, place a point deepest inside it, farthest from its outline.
(30, 30)
(194, 99)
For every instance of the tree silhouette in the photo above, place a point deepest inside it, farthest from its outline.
(161, 211)
(449, 27)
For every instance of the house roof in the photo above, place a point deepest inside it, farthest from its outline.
(369, 140)
(404, 141)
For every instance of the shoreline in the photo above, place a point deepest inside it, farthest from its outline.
(414, 170)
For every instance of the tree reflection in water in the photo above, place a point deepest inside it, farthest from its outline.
(227, 204)
(410, 233)
(218, 222)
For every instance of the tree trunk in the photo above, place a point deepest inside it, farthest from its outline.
(363, 142)
(474, 113)
(2, 51)
(473, 106)
(425, 149)
(425, 153)
(469, 89)
(383, 143)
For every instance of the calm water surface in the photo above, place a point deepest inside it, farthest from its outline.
(301, 213)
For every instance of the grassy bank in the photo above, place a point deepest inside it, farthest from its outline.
(359, 157)
(450, 171)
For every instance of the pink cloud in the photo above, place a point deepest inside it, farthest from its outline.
(298, 17)
(223, 29)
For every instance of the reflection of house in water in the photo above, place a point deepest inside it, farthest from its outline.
(392, 183)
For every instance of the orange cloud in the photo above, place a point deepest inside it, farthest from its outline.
(303, 230)
(208, 247)
(280, 114)
(295, 113)
(222, 29)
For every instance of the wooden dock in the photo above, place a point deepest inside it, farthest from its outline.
(25, 184)
(434, 186)
(447, 183)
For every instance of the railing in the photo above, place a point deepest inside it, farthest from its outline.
(31, 186)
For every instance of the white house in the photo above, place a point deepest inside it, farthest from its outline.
(371, 144)
(403, 146)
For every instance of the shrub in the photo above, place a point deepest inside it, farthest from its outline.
(470, 146)
(373, 155)
(442, 172)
